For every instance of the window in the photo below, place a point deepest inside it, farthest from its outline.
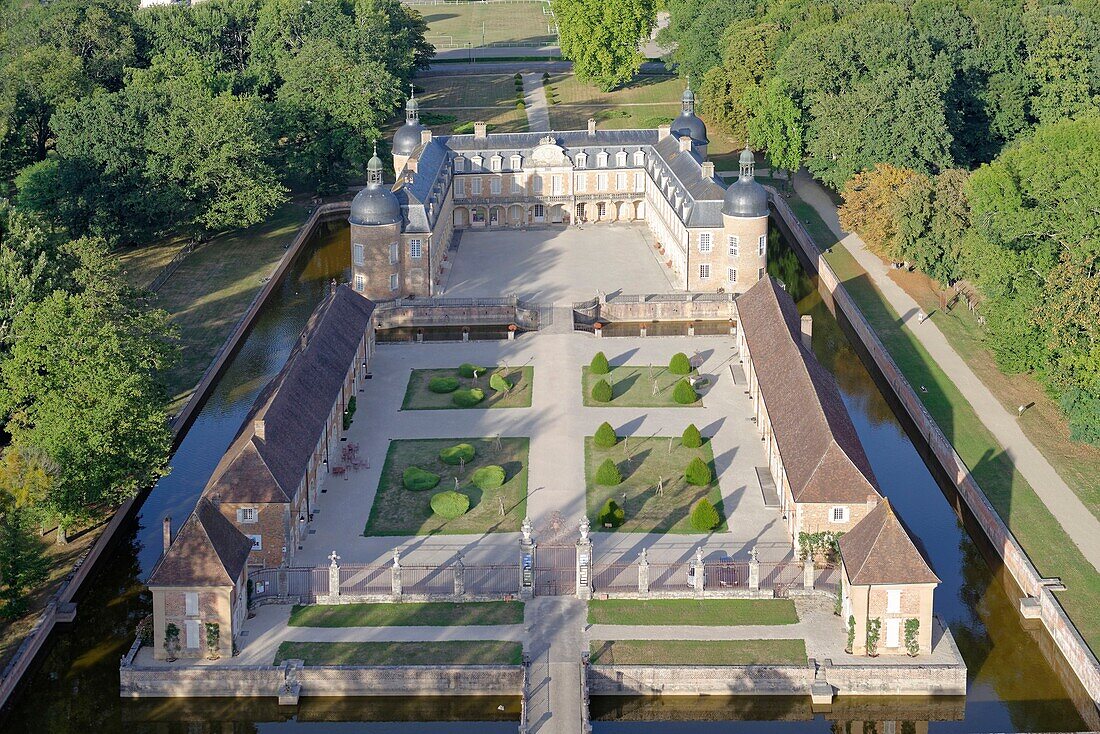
(416, 249)
(734, 243)
(704, 242)
(479, 216)
(620, 181)
(762, 244)
(704, 271)
(495, 163)
(360, 283)
(620, 158)
(539, 212)
(477, 162)
(559, 185)
(460, 187)
(601, 210)
(582, 182)
(893, 600)
(191, 603)
(580, 212)
(838, 514)
(460, 164)
(494, 186)
(536, 184)
(639, 181)
(601, 182)
(731, 275)
(257, 542)
(393, 282)
(192, 626)
(517, 185)
(516, 163)
(246, 514)
(475, 187)
(639, 158)
(582, 160)
(357, 253)
(601, 159)
(394, 254)
(760, 274)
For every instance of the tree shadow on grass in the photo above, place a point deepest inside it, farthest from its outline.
(623, 386)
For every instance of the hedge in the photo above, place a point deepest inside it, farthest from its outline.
(599, 364)
(684, 393)
(418, 479)
(697, 472)
(611, 514)
(679, 364)
(467, 370)
(704, 517)
(468, 398)
(349, 412)
(456, 454)
(608, 474)
(443, 384)
(450, 504)
(605, 436)
(691, 439)
(488, 477)
(601, 392)
(499, 382)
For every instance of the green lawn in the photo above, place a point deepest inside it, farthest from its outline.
(411, 614)
(642, 461)
(447, 652)
(449, 101)
(705, 612)
(399, 511)
(632, 387)
(419, 397)
(698, 652)
(454, 25)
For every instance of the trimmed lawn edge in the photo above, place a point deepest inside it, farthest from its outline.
(443, 652)
(698, 612)
(698, 652)
(407, 614)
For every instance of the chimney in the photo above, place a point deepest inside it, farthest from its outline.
(166, 531)
(479, 129)
(258, 428)
(685, 144)
(708, 169)
(591, 125)
(807, 330)
(425, 136)
(663, 131)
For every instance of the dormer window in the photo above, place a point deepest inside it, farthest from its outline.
(495, 163)
(620, 158)
(477, 161)
(460, 164)
(516, 163)
(639, 158)
(601, 159)
(582, 160)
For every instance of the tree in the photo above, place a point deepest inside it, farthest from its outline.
(1060, 64)
(691, 439)
(698, 473)
(602, 392)
(775, 124)
(684, 393)
(608, 474)
(22, 564)
(679, 364)
(605, 436)
(704, 516)
(871, 201)
(599, 364)
(601, 37)
(695, 32)
(32, 264)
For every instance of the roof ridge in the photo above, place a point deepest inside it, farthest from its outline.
(874, 543)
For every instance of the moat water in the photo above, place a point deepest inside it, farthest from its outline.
(1012, 687)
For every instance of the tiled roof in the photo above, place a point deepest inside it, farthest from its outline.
(879, 550)
(294, 406)
(207, 551)
(822, 455)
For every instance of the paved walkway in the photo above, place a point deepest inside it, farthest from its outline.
(534, 95)
(554, 643)
(1077, 519)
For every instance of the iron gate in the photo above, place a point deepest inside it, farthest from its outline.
(555, 570)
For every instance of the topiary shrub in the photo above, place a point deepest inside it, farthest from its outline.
(599, 364)
(679, 364)
(488, 477)
(608, 474)
(691, 439)
(605, 436)
(601, 392)
(499, 382)
(443, 384)
(684, 393)
(697, 472)
(456, 454)
(418, 479)
(467, 370)
(450, 504)
(468, 398)
(704, 516)
(611, 514)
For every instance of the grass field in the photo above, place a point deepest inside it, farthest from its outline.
(449, 652)
(411, 614)
(698, 652)
(419, 397)
(705, 612)
(632, 387)
(462, 25)
(449, 101)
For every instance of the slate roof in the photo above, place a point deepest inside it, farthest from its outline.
(294, 406)
(880, 550)
(207, 551)
(822, 455)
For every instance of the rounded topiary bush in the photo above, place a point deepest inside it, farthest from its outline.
(468, 398)
(450, 504)
(605, 436)
(691, 439)
(499, 382)
(418, 479)
(599, 364)
(456, 454)
(467, 370)
(443, 384)
(488, 477)
(601, 392)
(608, 474)
(704, 517)
(679, 364)
(697, 472)
(611, 514)
(684, 393)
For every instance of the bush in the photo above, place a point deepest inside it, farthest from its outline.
(912, 644)
(599, 364)
(349, 412)
(874, 629)
(453, 455)
(450, 504)
(851, 634)
(611, 514)
(608, 474)
(467, 370)
(418, 479)
(488, 477)
(691, 439)
(605, 436)
(468, 398)
(679, 364)
(684, 393)
(601, 392)
(443, 384)
(697, 472)
(468, 127)
(499, 382)
(704, 516)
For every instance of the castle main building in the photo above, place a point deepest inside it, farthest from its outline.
(715, 237)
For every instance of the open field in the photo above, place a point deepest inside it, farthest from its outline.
(632, 387)
(461, 25)
(419, 397)
(449, 652)
(447, 102)
(705, 612)
(408, 614)
(698, 652)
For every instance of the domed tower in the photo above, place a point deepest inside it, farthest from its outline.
(745, 220)
(688, 124)
(375, 237)
(407, 138)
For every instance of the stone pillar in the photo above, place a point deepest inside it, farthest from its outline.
(698, 573)
(334, 577)
(643, 573)
(460, 576)
(465, 333)
(527, 561)
(584, 562)
(395, 578)
(643, 330)
(691, 328)
(754, 571)
(808, 571)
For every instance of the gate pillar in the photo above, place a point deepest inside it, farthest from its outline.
(643, 573)
(584, 562)
(527, 561)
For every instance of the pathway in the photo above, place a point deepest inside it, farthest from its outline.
(554, 643)
(1076, 518)
(534, 96)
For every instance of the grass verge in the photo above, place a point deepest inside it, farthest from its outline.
(412, 614)
(632, 387)
(447, 652)
(698, 652)
(419, 397)
(704, 612)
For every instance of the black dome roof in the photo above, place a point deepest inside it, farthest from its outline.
(407, 138)
(745, 198)
(688, 124)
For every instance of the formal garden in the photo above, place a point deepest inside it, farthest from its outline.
(469, 386)
(675, 385)
(452, 486)
(652, 484)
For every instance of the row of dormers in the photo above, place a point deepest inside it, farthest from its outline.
(515, 161)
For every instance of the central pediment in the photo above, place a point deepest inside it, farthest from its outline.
(549, 153)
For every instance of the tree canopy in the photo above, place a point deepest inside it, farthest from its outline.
(601, 37)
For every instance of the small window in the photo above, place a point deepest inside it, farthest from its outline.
(601, 182)
(601, 160)
(416, 249)
(394, 253)
(257, 542)
(540, 211)
(536, 184)
(639, 181)
(516, 163)
(639, 158)
(704, 242)
(191, 603)
(601, 210)
(620, 181)
(559, 185)
(495, 163)
(393, 282)
(580, 212)
(460, 164)
(476, 162)
(475, 187)
(734, 243)
(517, 185)
(494, 186)
(893, 600)
(760, 274)
(582, 182)
(360, 283)
(620, 158)
(704, 271)
(246, 514)
(582, 160)
(357, 253)
(460, 187)
(838, 514)
(731, 275)
(762, 244)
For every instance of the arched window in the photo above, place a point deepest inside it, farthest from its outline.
(601, 159)
(582, 160)
(495, 163)
(516, 163)
(639, 158)
(460, 164)
(620, 158)
(477, 162)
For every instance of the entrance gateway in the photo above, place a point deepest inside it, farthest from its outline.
(555, 570)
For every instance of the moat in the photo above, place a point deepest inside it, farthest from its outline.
(1011, 686)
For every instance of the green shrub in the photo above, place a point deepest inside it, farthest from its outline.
(599, 364)
(499, 382)
(874, 629)
(520, 106)
(453, 455)
(851, 634)
(601, 392)
(679, 364)
(912, 644)
(433, 119)
(611, 514)
(450, 504)
(605, 436)
(697, 472)
(467, 370)
(443, 384)
(468, 127)
(684, 393)
(488, 477)
(691, 439)
(608, 474)
(349, 412)
(704, 516)
(468, 398)
(418, 479)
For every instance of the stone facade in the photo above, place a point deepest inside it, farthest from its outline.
(892, 605)
(190, 610)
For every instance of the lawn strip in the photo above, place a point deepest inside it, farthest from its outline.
(703, 612)
(632, 387)
(698, 652)
(446, 652)
(408, 614)
(419, 397)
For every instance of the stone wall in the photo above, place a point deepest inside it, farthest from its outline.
(684, 308)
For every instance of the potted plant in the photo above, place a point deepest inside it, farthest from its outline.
(213, 640)
(912, 644)
(172, 641)
(874, 629)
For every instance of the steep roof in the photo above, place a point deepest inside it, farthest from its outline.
(294, 406)
(207, 551)
(879, 550)
(822, 455)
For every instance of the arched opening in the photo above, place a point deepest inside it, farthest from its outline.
(515, 215)
(626, 211)
(478, 215)
(461, 217)
(639, 210)
(601, 211)
(556, 214)
(496, 216)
